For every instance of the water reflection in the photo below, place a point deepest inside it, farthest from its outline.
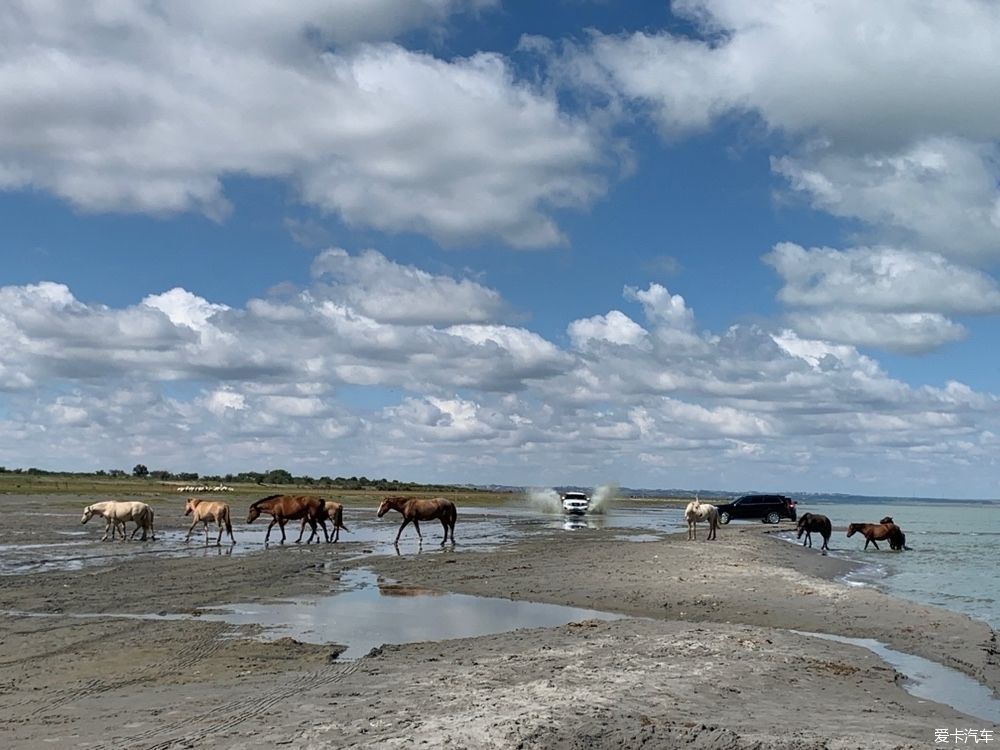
(370, 613)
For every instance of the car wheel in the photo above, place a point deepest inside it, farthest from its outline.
(723, 517)
(772, 517)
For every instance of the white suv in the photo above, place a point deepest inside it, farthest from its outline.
(575, 502)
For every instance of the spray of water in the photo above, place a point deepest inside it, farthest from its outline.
(545, 500)
(602, 496)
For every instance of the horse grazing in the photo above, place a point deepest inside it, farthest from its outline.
(416, 509)
(699, 511)
(875, 531)
(810, 522)
(334, 513)
(285, 508)
(208, 511)
(116, 512)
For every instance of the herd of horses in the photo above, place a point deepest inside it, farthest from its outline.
(886, 529)
(314, 511)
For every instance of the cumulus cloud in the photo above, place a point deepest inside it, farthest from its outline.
(127, 107)
(887, 117)
(391, 293)
(880, 297)
(869, 75)
(938, 194)
(272, 383)
(881, 278)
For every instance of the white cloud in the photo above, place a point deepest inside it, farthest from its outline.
(939, 194)
(126, 107)
(273, 383)
(907, 333)
(881, 279)
(614, 328)
(873, 75)
(392, 293)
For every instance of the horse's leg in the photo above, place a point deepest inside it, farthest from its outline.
(416, 525)
(826, 539)
(444, 524)
(218, 539)
(302, 530)
(326, 534)
(874, 544)
(107, 528)
(193, 524)
(401, 527)
(281, 525)
(267, 536)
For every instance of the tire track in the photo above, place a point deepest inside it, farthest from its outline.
(150, 672)
(229, 715)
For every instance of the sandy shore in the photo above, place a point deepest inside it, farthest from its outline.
(705, 657)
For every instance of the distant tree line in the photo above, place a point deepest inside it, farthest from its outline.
(271, 477)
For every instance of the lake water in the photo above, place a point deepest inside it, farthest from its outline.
(953, 558)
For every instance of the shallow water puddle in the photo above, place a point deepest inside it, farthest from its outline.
(371, 613)
(928, 679)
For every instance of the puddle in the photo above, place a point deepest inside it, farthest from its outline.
(930, 680)
(371, 613)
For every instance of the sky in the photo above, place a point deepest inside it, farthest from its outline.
(706, 244)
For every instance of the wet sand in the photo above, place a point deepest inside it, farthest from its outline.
(705, 657)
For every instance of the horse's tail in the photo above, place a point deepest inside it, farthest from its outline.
(338, 522)
(452, 514)
(229, 525)
(150, 516)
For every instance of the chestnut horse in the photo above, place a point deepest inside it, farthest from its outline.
(334, 513)
(416, 509)
(284, 508)
(206, 511)
(699, 511)
(877, 531)
(809, 522)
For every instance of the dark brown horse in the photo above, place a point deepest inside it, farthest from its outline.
(877, 532)
(334, 513)
(810, 522)
(284, 508)
(416, 509)
(897, 539)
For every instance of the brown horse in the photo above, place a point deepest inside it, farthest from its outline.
(809, 522)
(284, 508)
(875, 531)
(334, 513)
(209, 511)
(897, 539)
(416, 509)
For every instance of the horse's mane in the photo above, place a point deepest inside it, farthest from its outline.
(264, 500)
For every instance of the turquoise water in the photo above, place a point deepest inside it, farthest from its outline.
(953, 558)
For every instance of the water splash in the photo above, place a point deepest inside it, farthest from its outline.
(602, 497)
(545, 500)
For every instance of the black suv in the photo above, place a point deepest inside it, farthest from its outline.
(768, 508)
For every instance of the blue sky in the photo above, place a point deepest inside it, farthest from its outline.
(706, 244)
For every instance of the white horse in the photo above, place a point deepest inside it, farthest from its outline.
(699, 511)
(115, 512)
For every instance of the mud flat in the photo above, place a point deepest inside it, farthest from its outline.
(123, 654)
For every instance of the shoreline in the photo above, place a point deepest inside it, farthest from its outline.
(705, 656)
